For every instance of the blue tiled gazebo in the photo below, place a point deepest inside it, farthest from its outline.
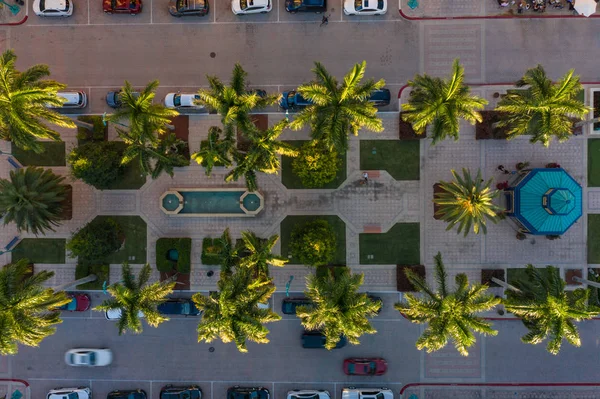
(544, 201)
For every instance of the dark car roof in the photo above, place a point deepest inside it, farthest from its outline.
(176, 306)
(289, 305)
(247, 393)
(190, 5)
(171, 392)
(136, 394)
(306, 5)
(316, 339)
(380, 96)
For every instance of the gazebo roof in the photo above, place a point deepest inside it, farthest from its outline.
(547, 201)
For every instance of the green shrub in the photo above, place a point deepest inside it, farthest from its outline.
(101, 271)
(316, 166)
(98, 163)
(183, 247)
(313, 243)
(97, 133)
(96, 240)
(210, 251)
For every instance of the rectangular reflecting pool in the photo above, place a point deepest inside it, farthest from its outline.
(223, 202)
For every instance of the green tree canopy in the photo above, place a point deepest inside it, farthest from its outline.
(316, 165)
(96, 240)
(256, 253)
(314, 243)
(97, 164)
(214, 151)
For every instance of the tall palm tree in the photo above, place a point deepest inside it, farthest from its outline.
(133, 296)
(139, 110)
(139, 149)
(262, 154)
(25, 316)
(339, 309)
(541, 108)
(229, 254)
(441, 103)
(467, 202)
(32, 198)
(24, 101)
(172, 152)
(547, 310)
(257, 253)
(216, 151)
(232, 313)
(338, 110)
(234, 102)
(450, 315)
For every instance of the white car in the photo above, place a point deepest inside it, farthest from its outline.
(241, 7)
(308, 394)
(365, 7)
(88, 357)
(115, 314)
(70, 393)
(183, 101)
(367, 393)
(53, 8)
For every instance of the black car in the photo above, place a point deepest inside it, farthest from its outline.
(289, 305)
(182, 306)
(238, 392)
(295, 6)
(183, 8)
(316, 340)
(189, 392)
(380, 97)
(133, 394)
(113, 99)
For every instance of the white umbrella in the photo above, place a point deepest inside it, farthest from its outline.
(585, 7)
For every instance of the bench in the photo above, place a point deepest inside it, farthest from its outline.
(12, 243)
(14, 163)
(372, 228)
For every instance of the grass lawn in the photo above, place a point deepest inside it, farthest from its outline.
(519, 274)
(134, 248)
(594, 163)
(53, 155)
(339, 227)
(291, 181)
(593, 236)
(41, 250)
(399, 246)
(101, 271)
(400, 158)
(132, 178)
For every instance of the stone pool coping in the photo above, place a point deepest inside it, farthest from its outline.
(245, 193)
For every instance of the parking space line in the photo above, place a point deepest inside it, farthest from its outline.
(88, 7)
(334, 390)
(212, 391)
(273, 390)
(215, 12)
(151, 21)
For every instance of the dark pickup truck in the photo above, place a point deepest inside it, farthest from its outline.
(295, 6)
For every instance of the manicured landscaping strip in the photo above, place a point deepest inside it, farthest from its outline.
(520, 274)
(53, 155)
(134, 247)
(399, 246)
(291, 181)
(41, 250)
(594, 163)
(593, 237)
(400, 158)
(98, 133)
(210, 251)
(183, 246)
(132, 178)
(338, 225)
(102, 273)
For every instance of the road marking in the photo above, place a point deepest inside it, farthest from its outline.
(211, 390)
(215, 13)
(335, 384)
(88, 6)
(151, 12)
(273, 389)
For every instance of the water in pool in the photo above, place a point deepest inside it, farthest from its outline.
(211, 201)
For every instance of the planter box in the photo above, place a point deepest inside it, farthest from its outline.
(402, 282)
(485, 130)
(437, 189)
(570, 273)
(487, 274)
(406, 131)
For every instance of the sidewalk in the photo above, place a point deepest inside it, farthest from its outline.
(475, 9)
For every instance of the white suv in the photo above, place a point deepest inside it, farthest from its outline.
(241, 7)
(367, 393)
(70, 393)
(308, 394)
(53, 8)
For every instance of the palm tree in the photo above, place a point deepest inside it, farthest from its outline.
(547, 310)
(338, 308)
(25, 316)
(133, 296)
(232, 313)
(229, 253)
(467, 202)
(216, 151)
(139, 110)
(262, 155)
(234, 102)
(543, 109)
(257, 253)
(32, 199)
(450, 315)
(138, 148)
(338, 110)
(24, 101)
(441, 103)
(172, 156)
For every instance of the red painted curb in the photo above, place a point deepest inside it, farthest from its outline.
(502, 384)
(16, 380)
(21, 22)
(492, 17)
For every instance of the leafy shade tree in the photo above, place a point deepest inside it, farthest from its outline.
(140, 110)
(547, 310)
(339, 309)
(338, 110)
(24, 315)
(262, 155)
(96, 240)
(467, 202)
(133, 296)
(316, 165)
(25, 98)
(256, 253)
(232, 313)
(441, 103)
(97, 164)
(314, 243)
(541, 108)
(214, 151)
(450, 315)
(32, 198)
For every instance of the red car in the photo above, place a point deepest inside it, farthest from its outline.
(362, 366)
(79, 303)
(122, 6)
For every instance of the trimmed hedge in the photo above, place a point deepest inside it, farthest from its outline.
(183, 247)
(210, 251)
(101, 271)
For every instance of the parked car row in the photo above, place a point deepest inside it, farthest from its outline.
(293, 101)
(200, 8)
(235, 392)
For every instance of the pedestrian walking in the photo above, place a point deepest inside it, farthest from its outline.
(325, 20)
(366, 177)
(502, 169)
